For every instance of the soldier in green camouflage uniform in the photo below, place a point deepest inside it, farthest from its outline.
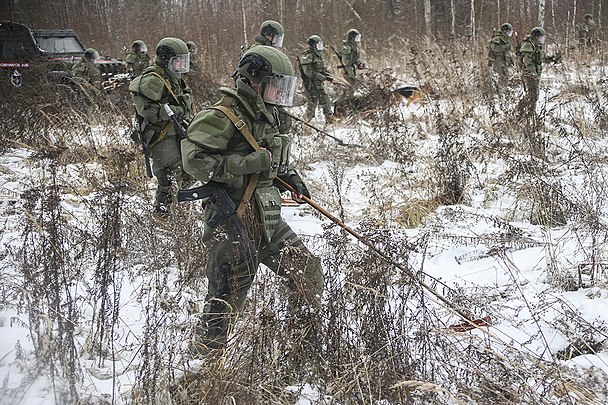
(349, 56)
(193, 56)
(314, 74)
(587, 33)
(138, 59)
(85, 68)
(499, 53)
(158, 85)
(532, 58)
(216, 151)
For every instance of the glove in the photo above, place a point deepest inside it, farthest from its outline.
(177, 110)
(255, 162)
(490, 62)
(296, 182)
(360, 65)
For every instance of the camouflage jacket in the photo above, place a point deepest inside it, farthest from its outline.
(217, 151)
(137, 62)
(532, 56)
(313, 69)
(499, 52)
(349, 54)
(150, 93)
(86, 69)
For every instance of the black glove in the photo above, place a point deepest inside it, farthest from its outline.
(296, 182)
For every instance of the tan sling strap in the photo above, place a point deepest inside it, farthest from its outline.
(253, 180)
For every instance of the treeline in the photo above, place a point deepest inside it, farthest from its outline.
(220, 27)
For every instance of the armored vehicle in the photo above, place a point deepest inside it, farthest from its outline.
(25, 52)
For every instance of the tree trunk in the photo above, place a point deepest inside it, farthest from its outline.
(453, 13)
(541, 13)
(472, 32)
(428, 29)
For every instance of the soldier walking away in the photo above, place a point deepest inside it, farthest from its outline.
(237, 145)
(85, 68)
(158, 85)
(314, 74)
(137, 59)
(350, 59)
(587, 33)
(193, 49)
(500, 56)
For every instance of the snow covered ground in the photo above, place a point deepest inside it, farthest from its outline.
(543, 287)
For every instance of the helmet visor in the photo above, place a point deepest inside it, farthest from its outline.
(320, 46)
(179, 63)
(277, 40)
(143, 48)
(279, 89)
(358, 38)
(541, 39)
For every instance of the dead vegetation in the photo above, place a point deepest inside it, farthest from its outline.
(379, 338)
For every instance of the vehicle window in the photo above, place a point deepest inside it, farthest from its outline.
(12, 49)
(59, 44)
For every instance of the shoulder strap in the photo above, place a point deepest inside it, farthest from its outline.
(162, 79)
(253, 180)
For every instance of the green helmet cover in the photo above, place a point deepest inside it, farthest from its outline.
(261, 61)
(314, 39)
(271, 27)
(506, 27)
(352, 33)
(538, 32)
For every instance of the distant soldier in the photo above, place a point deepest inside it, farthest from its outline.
(314, 74)
(158, 85)
(137, 59)
(499, 53)
(532, 58)
(587, 33)
(193, 56)
(85, 68)
(350, 58)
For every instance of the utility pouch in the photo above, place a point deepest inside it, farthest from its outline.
(268, 201)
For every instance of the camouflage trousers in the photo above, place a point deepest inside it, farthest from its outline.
(532, 90)
(230, 279)
(347, 92)
(166, 159)
(318, 96)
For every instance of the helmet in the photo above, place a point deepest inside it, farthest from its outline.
(538, 32)
(272, 70)
(506, 27)
(139, 46)
(588, 17)
(316, 42)
(275, 30)
(192, 47)
(173, 54)
(91, 54)
(353, 35)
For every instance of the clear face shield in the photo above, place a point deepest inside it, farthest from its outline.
(193, 51)
(93, 56)
(179, 63)
(358, 38)
(143, 48)
(277, 40)
(541, 39)
(279, 89)
(509, 33)
(319, 46)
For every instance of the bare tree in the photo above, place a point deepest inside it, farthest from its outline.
(428, 19)
(541, 13)
(473, 31)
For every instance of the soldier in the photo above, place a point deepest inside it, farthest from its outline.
(158, 85)
(219, 149)
(499, 54)
(532, 58)
(349, 56)
(137, 59)
(587, 33)
(193, 49)
(314, 73)
(85, 68)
